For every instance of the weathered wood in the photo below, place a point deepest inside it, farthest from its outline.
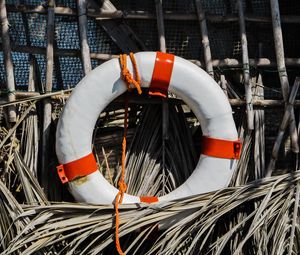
(64, 94)
(117, 14)
(160, 26)
(284, 123)
(246, 67)
(205, 40)
(223, 84)
(279, 50)
(47, 103)
(8, 63)
(165, 106)
(228, 62)
(259, 125)
(85, 49)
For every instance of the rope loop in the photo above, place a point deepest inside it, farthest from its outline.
(127, 76)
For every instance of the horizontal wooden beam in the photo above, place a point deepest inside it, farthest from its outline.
(58, 95)
(228, 62)
(146, 16)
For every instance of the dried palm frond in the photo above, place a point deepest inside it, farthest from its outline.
(89, 229)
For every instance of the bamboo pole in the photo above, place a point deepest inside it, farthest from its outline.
(47, 102)
(85, 49)
(165, 106)
(279, 49)
(223, 84)
(64, 94)
(104, 15)
(259, 124)
(160, 26)
(226, 63)
(8, 63)
(284, 123)
(205, 40)
(246, 67)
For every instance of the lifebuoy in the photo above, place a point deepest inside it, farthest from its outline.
(160, 72)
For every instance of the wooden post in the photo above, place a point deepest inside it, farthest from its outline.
(279, 49)
(9, 69)
(160, 26)
(259, 124)
(246, 68)
(285, 121)
(205, 40)
(224, 84)
(85, 49)
(165, 106)
(47, 101)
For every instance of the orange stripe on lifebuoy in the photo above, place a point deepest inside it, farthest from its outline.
(161, 76)
(221, 148)
(148, 200)
(77, 168)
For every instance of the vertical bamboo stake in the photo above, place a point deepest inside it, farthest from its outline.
(10, 80)
(165, 106)
(47, 102)
(205, 40)
(279, 49)
(224, 84)
(246, 68)
(85, 49)
(284, 123)
(259, 132)
(160, 26)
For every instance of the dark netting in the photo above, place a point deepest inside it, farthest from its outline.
(291, 40)
(98, 39)
(37, 24)
(21, 68)
(183, 38)
(224, 40)
(17, 29)
(259, 7)
(291, 7)
(148, 36)
(67, 3)
(71, 70)
(129, 5)
(220, 7)
(260, 33)
(184, 6)
(66, 32)
(96, 63)
(27, 2)
(2, 71)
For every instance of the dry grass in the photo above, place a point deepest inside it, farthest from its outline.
(253, 216)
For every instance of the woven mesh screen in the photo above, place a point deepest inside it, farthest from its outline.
(291, 40)
(2, 71)
(129, 5)
(66, 32)
(148, 36)
(184, 6)
(260, 34)
(99, 40)
(66, 37)
(182, 37)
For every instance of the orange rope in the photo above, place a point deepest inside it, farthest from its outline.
(128, 78)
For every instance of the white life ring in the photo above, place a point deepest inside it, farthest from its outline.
(102, 85)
